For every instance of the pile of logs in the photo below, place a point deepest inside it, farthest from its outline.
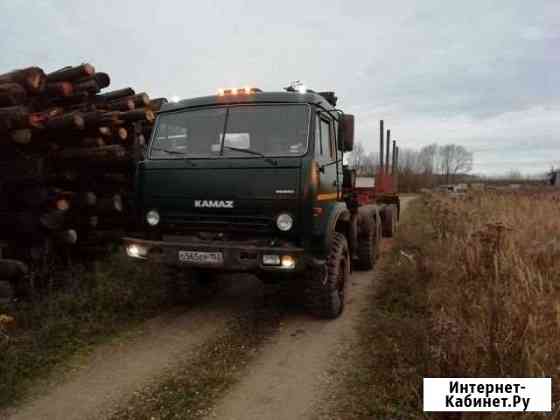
(67, 157)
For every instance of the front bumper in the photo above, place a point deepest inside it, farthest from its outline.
(237, 256)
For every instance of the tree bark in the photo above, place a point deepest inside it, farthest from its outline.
(12, 269)
(74, 120)
(90, 86)
(142, 114)
(102, 79)
(141, 100)
(32, 79)
(122, 133)
(156, 104)
(70, 73)
(121, 105)
(63, 89)
(113, 151)
(12, 94)
(22, 136)
(115, 94)
(93, 142)
(17, 117)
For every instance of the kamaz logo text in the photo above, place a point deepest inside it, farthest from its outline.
(214, 204)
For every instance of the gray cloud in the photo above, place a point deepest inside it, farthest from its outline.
(472, 72)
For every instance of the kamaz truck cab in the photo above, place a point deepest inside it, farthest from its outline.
(252, 181)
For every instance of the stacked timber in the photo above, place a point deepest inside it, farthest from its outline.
(68, 152)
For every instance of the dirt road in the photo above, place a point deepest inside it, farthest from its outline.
(286, 381)
(115, 371)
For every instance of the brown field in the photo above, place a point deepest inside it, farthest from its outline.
(471, 289)
(494, 285)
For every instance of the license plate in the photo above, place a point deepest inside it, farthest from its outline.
(201, 257)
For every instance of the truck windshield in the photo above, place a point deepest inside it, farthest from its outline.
(249, 131)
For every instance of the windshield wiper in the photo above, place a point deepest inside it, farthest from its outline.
(252, 152)
(175, 152)
(171, 152)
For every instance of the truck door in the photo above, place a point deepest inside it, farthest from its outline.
(326, 154)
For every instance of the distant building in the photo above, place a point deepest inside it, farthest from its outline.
(365, 182)
(452, 188)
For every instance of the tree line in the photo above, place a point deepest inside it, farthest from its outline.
(430, 166)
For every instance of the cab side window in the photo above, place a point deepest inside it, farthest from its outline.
(326, 138)
(325, 141)
(319, 143)
(334, 141)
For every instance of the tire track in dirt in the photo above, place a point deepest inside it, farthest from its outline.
(288, 378)
(117, 370)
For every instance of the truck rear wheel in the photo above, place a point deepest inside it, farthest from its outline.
(368, 241)
(324, 288)
(389, 220)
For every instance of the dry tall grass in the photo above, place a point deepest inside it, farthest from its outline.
(493, 273)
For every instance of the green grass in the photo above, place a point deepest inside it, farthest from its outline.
(93, 306)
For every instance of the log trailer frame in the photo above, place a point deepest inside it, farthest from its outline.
(294, 216)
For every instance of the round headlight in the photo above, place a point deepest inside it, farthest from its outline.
(152, 217)
(284, 222)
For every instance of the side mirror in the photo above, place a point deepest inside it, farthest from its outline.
(346, 133)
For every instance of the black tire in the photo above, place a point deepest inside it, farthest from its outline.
(368, 241)
(389, 221)
(324, 286)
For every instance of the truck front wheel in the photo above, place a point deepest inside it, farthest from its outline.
(324, 286)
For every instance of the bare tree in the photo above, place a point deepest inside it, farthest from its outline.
(364, 164)
(357, 157)
(454, 159)
(514, 175)
(370, 164)
(427, 158)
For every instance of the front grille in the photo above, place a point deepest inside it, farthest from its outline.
(220, 223)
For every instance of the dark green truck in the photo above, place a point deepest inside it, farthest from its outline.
(252, 181)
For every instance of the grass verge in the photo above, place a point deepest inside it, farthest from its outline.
(42, 333)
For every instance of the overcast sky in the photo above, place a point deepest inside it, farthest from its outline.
(481, 73)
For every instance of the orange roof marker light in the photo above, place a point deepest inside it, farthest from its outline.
(247, 90)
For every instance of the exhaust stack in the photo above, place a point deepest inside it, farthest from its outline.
(387, 151)
(381, 141)
(394, 160)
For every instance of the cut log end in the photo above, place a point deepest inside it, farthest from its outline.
(122, 133)
(22, 136)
